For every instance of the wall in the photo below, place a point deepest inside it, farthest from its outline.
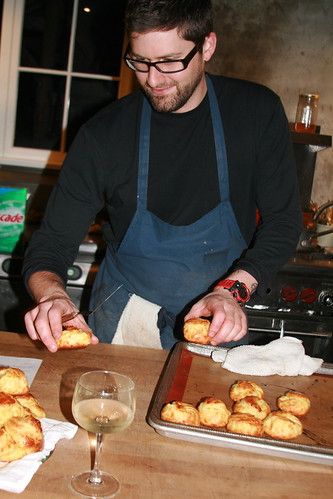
(288, 46)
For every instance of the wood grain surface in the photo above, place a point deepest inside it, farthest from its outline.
(147, 464)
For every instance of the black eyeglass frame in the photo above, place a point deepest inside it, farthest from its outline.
(185, 61)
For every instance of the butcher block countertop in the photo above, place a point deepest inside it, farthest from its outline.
(148, 464)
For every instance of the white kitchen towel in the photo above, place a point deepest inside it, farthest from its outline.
(138, 324)
(15, 476)
(284, 356)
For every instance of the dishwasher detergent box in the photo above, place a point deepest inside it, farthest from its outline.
(12, 216)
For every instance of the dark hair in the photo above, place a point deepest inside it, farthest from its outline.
(192, 18)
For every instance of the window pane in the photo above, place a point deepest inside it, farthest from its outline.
(99, 36)
(39, 111)
(87, 97)
(46, 33)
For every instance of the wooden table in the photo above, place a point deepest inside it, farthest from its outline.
(148, 465)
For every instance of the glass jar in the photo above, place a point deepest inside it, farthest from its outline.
(307, 113)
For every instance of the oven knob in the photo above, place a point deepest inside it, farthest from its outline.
(289, 293)
(326, 298)
(308, 295)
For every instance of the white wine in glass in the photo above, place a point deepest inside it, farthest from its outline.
(103, 402)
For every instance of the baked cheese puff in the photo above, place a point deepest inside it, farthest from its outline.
(29, 402)
(242, 389)
(213, 412)
(9, 408)
(245, 424)
(196, 331)
(13, 381)
(295, 402)
(20, 436)
(252, 405)
(180, 412)
(71, 337)
(282, 425)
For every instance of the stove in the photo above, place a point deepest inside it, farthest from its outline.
(298, 303)
(15, 300)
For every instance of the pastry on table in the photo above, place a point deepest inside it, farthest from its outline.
(245, 424)
(13, 381)
(282, 425)
(256, 406)
(241, 389)
(196, 331)
(71, 337)
(28, 401)
(213, 412)
(20, 436)
(9, 408)
(180, 412)
(294, 402)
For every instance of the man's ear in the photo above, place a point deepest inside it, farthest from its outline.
(209, 46)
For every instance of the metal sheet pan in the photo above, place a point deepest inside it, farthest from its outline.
(190, 374)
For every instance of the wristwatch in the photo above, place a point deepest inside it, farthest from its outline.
(238, 289)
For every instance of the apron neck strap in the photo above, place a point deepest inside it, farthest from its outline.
(220, 148)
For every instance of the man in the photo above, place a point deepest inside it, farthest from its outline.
(182, 165)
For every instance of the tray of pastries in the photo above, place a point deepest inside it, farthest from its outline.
(285, 416)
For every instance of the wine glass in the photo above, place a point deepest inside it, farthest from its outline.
(103, 402)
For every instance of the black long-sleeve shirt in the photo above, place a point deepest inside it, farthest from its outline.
(101, 170)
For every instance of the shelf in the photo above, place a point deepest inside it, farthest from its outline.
(315, 141)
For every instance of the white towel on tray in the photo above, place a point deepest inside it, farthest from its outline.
(15, 476)
(284, 356)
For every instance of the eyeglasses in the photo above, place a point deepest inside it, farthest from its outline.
(168, 66)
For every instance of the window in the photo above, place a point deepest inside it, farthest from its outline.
(60, 63)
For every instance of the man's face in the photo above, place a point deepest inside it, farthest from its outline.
(173, 92)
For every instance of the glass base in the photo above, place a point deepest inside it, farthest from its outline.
(108, 487)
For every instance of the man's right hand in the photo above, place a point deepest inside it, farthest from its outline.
(54, 310)
(45, 321)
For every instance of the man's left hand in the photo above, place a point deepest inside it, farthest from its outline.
(229, 321)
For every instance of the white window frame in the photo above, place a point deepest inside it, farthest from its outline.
(10, 47)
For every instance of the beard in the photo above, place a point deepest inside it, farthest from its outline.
(174, 102)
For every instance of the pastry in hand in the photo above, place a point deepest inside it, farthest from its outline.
(241, 389)
(71, 337)
(180, 412)
(29, 402)
(213, 412)
(252, 405)
(196, 331)
(282, 425)
(9, 408)
(20, 436)
(245, 424)
(295, 402)
(13, 381)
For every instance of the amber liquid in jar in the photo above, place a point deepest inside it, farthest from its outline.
(306, 114)
(303, 128)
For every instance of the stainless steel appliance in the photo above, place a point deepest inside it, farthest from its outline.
(299, 303)
(14, 299)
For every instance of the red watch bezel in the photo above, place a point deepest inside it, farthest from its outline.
(233, 286)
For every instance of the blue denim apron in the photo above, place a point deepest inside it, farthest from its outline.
(171, 266)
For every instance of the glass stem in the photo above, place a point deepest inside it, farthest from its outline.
(95, 475)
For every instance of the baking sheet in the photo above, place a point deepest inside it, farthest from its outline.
(190, 374)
